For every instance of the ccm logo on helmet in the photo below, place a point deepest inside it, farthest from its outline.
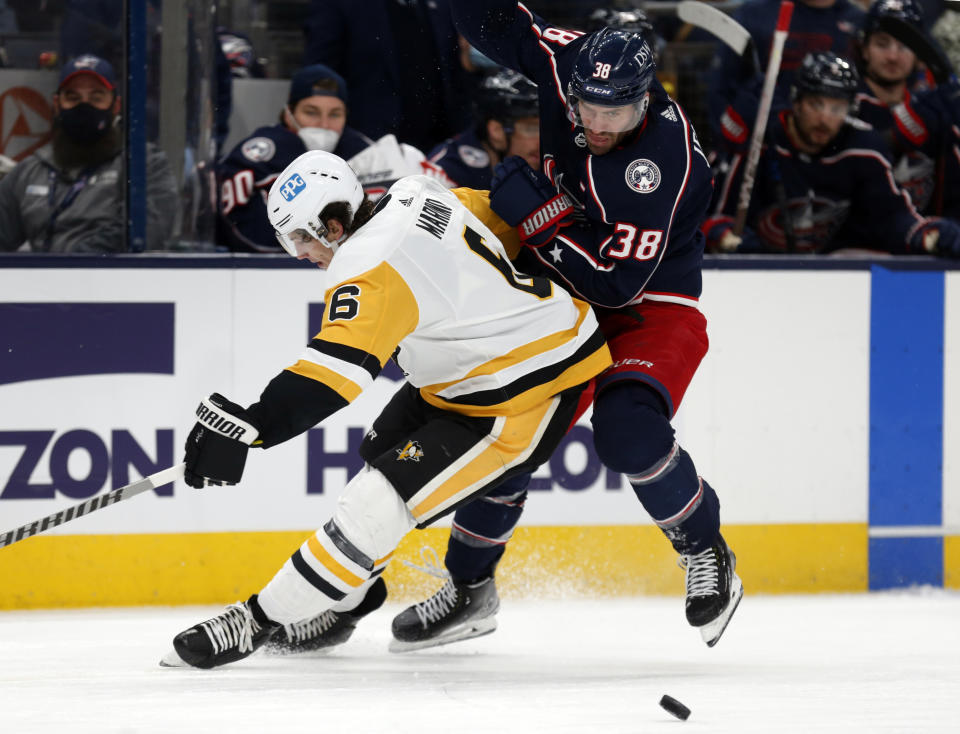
(218, 423)
(292, 186)
(605, 91)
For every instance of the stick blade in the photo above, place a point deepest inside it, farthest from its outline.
(716, 22)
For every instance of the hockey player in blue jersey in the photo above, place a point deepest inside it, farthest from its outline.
(613, 216)
(314, 118)
(506, 123)
(917, 117)
(839, 186)
(816, 25)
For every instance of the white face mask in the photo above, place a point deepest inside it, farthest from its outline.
(319, 138)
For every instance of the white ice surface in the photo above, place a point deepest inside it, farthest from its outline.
(859, 663)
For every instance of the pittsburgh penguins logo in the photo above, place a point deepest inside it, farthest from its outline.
(412, 451)
(643, 176)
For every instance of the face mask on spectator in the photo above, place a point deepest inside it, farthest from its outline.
(319, 138)
(315, 138)
(84, 123)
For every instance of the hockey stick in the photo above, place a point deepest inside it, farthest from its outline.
(95, 503)
(763, 114)
(738, 38)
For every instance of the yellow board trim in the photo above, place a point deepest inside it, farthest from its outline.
(541, 562)
(951, 562)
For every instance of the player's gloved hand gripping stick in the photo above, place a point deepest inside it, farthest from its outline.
(525, 198)
(216, 452)
(216, 449)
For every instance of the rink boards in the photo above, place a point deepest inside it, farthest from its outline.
(826, 414)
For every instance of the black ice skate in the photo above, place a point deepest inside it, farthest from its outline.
(226, 638)
(456, 612)
(326, 630)
(713, 590)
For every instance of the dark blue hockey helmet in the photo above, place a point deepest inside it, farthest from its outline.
(506, 96)
(613, 69)
(880, 11)
(622, 20)
(825, 74)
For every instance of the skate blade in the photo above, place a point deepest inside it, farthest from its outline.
(468, 631)
(172, 660)
(712, 631)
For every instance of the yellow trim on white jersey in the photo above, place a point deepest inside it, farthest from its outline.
(478, 202)
(476, 337)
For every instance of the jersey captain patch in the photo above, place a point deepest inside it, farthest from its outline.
(643, 176)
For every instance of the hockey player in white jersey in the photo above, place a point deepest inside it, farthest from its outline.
(498, 364)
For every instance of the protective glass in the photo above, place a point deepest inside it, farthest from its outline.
(603, 119)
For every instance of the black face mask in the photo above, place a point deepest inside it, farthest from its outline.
(84, 123)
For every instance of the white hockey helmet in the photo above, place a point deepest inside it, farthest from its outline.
(301, 192)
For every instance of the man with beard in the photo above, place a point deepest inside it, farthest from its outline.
(68, 196)
(816, 25)
(914, 118)
(839, 185)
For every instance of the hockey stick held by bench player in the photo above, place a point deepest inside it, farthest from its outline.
(166, 476)
(738, 38)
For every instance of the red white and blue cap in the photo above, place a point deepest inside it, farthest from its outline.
(88, 64)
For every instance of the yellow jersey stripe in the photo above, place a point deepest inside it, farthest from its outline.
(345, 388)
(478, 202)
(371, 312)
(522, 353)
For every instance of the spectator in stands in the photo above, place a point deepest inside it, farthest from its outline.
(68, 196)
(401, 61)
(507, 123)
(314, 118)
(916, 120)
(816, 25)
(838, 187)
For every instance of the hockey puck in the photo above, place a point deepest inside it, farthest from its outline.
(675, 707)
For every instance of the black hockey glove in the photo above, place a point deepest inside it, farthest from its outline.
(526, 199)
(216, 449)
